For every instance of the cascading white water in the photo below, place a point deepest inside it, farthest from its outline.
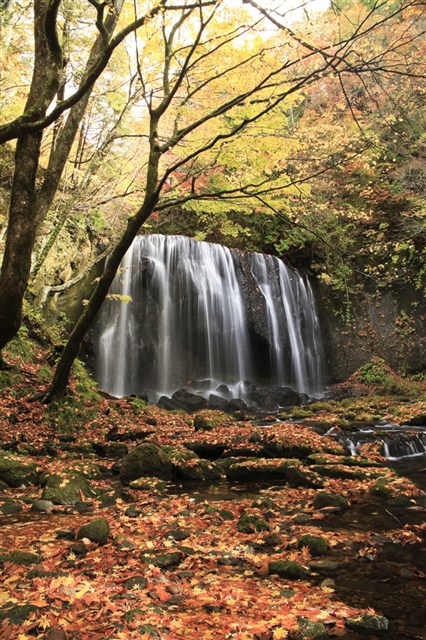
(186, 324)
(294, 332)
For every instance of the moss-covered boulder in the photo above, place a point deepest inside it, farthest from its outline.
(16, 473)
(259, 469)
(203, 423)
(382, 488)
(326, 499)
(67, 490)
(163, 560)
(186, 465)
(9, 507)
(251, 524)
(287, 569)
(147, 459)
(317, 545)
(368, 624)
(25, 558)
(342, 472)
(309, 630)
(97, 531)
(297, 476)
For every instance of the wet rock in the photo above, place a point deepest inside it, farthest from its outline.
(208, 450)
(67, 490)
(147, 459)
(179, 534)
(309, 630)
(218, 403)
(167, 403)
(324, 566)
(10, 507)
(382, 489)
(368, 624)
(236, 404)
(251, 523)
(259, 469)
(186, 465)
(299, 477)
(42, 506)
(287, 569)
(97, 531)
(189, 401)
(401, 500)
(83, 507)
(418, 420)
(316, 544)
(15, 473)
(343, 473)
(326, 499)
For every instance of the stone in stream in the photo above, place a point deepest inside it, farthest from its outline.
(368, 624)
(309, 630)
(317, 545)
(327, 499)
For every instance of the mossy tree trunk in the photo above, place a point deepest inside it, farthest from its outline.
(22, 222)
(28, 208)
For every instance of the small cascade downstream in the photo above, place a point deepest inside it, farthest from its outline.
(195, 315)
(399, 442)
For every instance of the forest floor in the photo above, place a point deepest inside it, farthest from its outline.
(121, 521)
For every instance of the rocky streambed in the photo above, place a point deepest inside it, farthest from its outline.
(174, 525)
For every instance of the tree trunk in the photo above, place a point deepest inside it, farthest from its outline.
(27, 211)
(20, 237)
(72, 348)
(22, 223)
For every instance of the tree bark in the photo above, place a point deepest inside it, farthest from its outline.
(28, 209)
(22, 223)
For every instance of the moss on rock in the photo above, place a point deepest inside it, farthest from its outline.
(97, 531)
(287, 569)
(317, 545)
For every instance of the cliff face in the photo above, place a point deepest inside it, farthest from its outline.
(390, 324)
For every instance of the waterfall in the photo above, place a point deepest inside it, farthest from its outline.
(178, 316)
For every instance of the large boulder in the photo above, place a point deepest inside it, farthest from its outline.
(67, 490)
(189, 401)
(188, 466)
(147, 459)
(15, 473)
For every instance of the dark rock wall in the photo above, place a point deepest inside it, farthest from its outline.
(389, 324)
